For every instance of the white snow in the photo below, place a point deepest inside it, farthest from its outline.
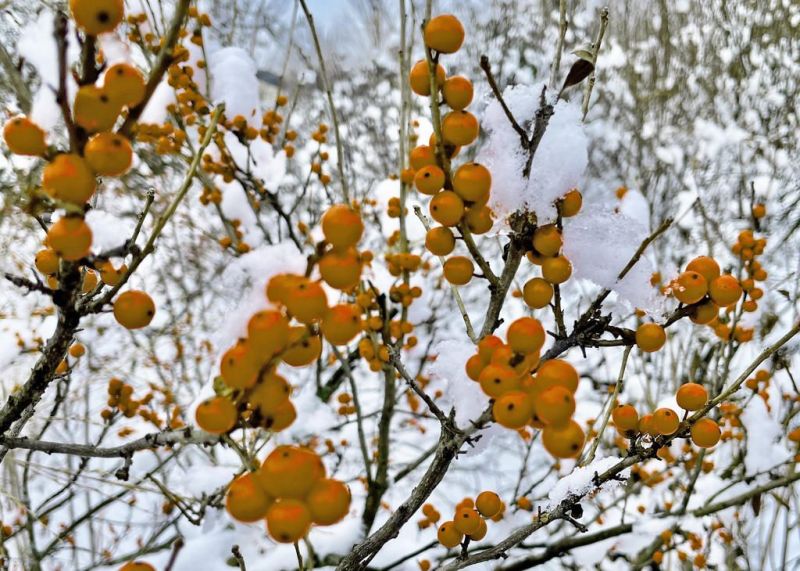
(460, 392)
(580, 480)
(234, 82)
(559, 162)
(600, 242)
(764, 448)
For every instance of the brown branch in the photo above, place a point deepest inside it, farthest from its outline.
(487, 70)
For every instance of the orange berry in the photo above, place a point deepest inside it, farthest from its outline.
(557, 372)
(97, 16)
(479, 219)
(94, 110)
(665, 421)
(420, 80)
(341, 324)
(71, 238)
(291, 472)
(571, 203)
(108, 154)
(246, 500)
(341, 269)
(125, 85)
(448, 535)
(440, 241)
(422, 156)
(467, 520)
(429, 179)
(563, 441)
(267, 332)
(302, 348)
(457, 91)
(704, 313)
(77, 350)
(556, 270)
(446, 208)
(625, 418)
(705, 433)
(497, 380)
(474, 366)
(487, 346)
(342, 226)
(472, 181)
(288, 520)
(725, 290)
(554, 405)
(537, 293)
(307, 301)
(281, 418)
(488, 504)
(458, 270)
(69, 178)
(794, 435)
(689, 287)
(692, 396)
(525, 335)
(512, 410)
(134, 309)
(481, 532)
(269, 394)
(46, 261)
(137, 566)
(705, 266)
(216, 415)
(759, 210)
(328, 501)
(547, 240)
(238, 367)
(650, 337)
(459, 128)
(444, 33)
(24, 137)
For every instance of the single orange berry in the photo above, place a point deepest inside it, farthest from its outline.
(692, 396)
(108, 154)
(71, 238)
(704, 313)
(216, 415)
(547, 240)
(458, 92)
(444, 33)
(303, 348)
(97, 16)
(328, 501)
(342, 226)
(563, 441)
(46, 261)
(458, 270)
(446, 208)
(571, 203)
(448, 535)
(24, 137)
(288, 520)
(557, 372)
(665, 421)
(488, 504)
(341, 269)
(625, 418)
(497, 380)
(440, 241)
(705, 433)
(134, 309)
(556, 270)
(291, 472)
(650, 337)
(459, 128)
(125, 85)
(689, 287)
(68, 177)
(555, 405)
(472, 181)
(422, 156)
(429, 179)
(420, 81)
(246, 500)
(512, 410)
(705, 266)
(467, 520)
(341, 324)
(537, 293)
(725, 290)
(526, 335)
(94, 110)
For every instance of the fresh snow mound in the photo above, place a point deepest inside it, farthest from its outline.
(599, 243)
(764, 450)
(580, 481)
(460, 392)
(234, 82)
(559, 162)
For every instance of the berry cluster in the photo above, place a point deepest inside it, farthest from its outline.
(469, 519)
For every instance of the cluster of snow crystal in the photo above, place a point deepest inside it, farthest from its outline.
(600, 242)
(234, 82)
(764, 448)
(559, 162)
(460, 392)
(581, 480)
